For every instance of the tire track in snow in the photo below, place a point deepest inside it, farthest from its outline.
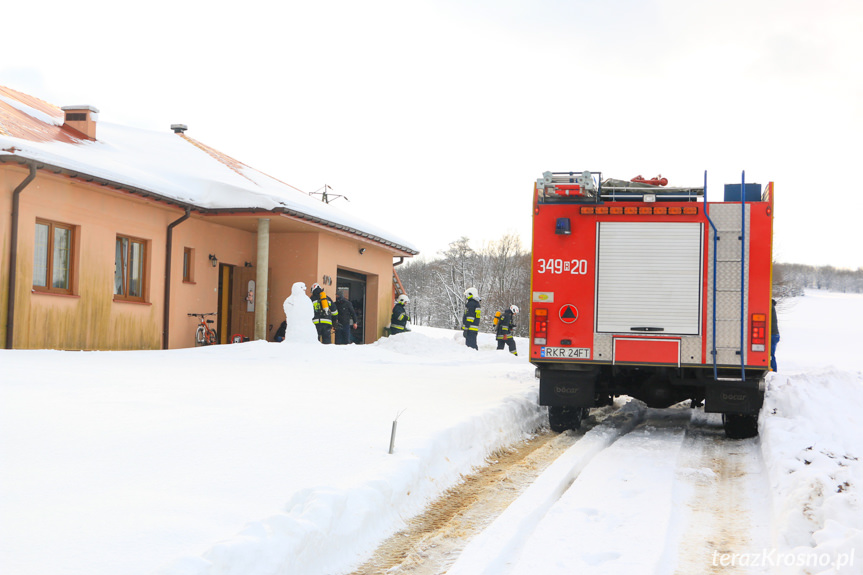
(724, 512)
(494, 549)
(615, 517)
(433, 540)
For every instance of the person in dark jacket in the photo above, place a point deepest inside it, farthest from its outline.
(774, 334)
(347, 319)
(325, 313)
(280, 333)
(471, 317)
(505, 327)
(400, 318)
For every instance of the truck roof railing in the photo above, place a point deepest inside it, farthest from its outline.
(589, 187)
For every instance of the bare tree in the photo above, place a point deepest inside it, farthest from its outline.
(500, 271)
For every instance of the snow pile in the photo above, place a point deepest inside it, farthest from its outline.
(813, 445)
(241, 458)
(812, 439)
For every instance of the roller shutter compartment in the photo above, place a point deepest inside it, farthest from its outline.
(649, 277)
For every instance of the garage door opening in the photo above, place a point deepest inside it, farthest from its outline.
(352, 286)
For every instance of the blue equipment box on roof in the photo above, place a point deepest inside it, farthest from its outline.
(732, 192)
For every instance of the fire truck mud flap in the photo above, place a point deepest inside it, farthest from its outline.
(740, 398)
(568, 388)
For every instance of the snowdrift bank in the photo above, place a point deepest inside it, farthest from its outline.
(812, 438)
(246, 458)
(812, 444)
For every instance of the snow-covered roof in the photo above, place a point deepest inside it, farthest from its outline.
(170, 166)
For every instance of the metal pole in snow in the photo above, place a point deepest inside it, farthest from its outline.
(393, 433)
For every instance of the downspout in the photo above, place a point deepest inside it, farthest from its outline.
(169, 245)
(13, 258)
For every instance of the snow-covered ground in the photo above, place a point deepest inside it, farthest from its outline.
(673, 495)
(264, 458)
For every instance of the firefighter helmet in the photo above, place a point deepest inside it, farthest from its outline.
(471, 293)
(403, 299)
(514, 309)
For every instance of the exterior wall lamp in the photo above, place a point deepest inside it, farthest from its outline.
(213, 260)
(362, 251)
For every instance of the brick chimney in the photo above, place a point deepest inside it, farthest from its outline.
(82, 119)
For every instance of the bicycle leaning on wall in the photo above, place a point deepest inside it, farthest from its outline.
(204, 334)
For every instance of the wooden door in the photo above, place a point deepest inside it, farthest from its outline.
(243, 302)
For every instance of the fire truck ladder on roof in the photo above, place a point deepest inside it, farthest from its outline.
(742, 238)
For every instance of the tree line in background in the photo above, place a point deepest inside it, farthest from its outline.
(500, 271)
(789, 280)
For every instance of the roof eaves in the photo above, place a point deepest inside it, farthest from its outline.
(59, 170)
(6, 158)
(347, 229)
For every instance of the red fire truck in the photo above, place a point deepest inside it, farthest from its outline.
(650, 291)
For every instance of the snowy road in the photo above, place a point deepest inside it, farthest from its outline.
(644, 490)
(670, 496)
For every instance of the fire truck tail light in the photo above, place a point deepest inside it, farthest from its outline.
(586, 210)
(540, 326)
(758, 332)
(615, 210)
(690, 210)
(601, 210)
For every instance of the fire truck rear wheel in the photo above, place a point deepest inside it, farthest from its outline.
(740, 426)
(563, 418)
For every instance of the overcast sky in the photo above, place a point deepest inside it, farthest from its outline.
(435, 117)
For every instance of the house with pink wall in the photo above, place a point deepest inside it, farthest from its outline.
(112, 235)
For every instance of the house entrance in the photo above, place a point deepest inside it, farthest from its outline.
(237, 293)
(352, 285)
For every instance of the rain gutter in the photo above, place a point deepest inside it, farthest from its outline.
(13, 259)
(169, 244)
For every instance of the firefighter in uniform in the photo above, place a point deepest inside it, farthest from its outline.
(347, 319)
(505, 326)
(470, 319)
(400, 318)
(325, 313)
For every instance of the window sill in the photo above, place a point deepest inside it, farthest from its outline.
(187, 282)
(131, 301)
(55, 294)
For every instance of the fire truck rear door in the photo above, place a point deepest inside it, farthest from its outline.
(649, 277)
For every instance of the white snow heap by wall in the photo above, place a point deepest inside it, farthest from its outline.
(299, 314)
